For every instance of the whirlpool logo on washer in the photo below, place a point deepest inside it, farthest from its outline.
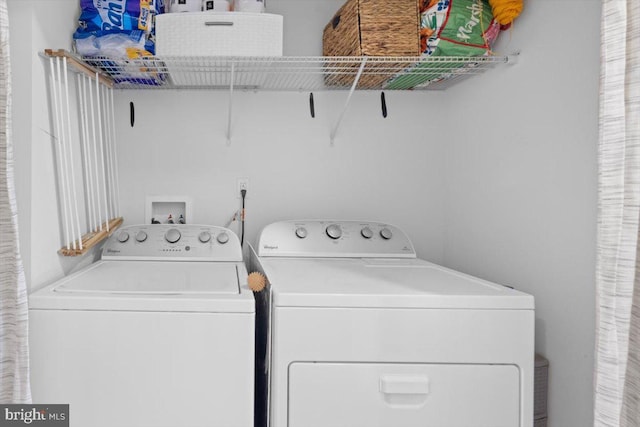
(34, 415)
(113, 251)
(272, 247)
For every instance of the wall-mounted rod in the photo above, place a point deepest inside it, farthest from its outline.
(94, 156)
(108, 145)
(102, 153)
(346, 104)
(81, 96)
(231, 78)
(115, 151)
(69, 142)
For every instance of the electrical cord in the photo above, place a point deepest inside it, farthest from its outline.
(243, 193)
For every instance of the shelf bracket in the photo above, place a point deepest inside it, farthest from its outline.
(346, 104)
(513, 57)
(231, 78)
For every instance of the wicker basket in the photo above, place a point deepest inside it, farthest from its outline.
(371, 28)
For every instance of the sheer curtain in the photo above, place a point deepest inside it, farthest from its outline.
(14, 352)
(617, 370)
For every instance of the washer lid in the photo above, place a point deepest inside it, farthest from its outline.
(150, 286)
(383, 283)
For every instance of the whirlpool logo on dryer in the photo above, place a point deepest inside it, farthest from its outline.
(34, 415)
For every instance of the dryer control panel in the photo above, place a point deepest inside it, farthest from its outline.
(173, 242)
(335, 239)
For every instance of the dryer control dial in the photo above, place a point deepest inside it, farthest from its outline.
(386, 234)
(172, 235)
(366, 233)
(222, 238)
(334, 231)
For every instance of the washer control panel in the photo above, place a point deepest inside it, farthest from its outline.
(339, 239)
(178, 242)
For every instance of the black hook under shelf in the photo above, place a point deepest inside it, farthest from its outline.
(383, 103)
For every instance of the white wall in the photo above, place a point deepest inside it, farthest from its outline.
(379, 169)
(521, 186)
(495, 177)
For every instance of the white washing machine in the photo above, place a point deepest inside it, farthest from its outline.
(158, 333)
(364, 334)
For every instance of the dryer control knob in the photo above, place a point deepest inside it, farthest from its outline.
(366, 233)
(204, 237)
(123, 236)
(141, 236)
(301, 232)
(334, 231)
(172, 235)
(222, 238)
(386, 234)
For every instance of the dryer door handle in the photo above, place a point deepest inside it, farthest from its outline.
(404, 384)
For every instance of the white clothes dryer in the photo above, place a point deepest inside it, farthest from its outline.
(159, 332)
(364, 334)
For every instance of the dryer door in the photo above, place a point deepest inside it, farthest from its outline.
(403, 395)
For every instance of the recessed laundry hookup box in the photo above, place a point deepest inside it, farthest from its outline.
(196, 46)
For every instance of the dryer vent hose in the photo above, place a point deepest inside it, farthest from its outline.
(256, 281)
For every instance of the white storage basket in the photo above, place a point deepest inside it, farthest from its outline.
(195, 36)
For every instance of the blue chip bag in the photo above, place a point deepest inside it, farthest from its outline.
(128, 18)
(121, 30)
(115, 15)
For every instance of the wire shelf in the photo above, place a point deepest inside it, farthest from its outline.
(291, 73)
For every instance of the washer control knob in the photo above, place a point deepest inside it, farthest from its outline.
(334, 231)
(172, 235)
(222, 238)
(301, 232)
(123, 236)
(366, 233)
(204, 237)
(386, 234)
(141, 236)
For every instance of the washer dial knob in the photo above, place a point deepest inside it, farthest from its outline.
(366, 233)
(204, 237)
(222, 238)
(301, 232)
(334, 231)
(386, 234)
(123, 236)
(172, 235)
(141, 236)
